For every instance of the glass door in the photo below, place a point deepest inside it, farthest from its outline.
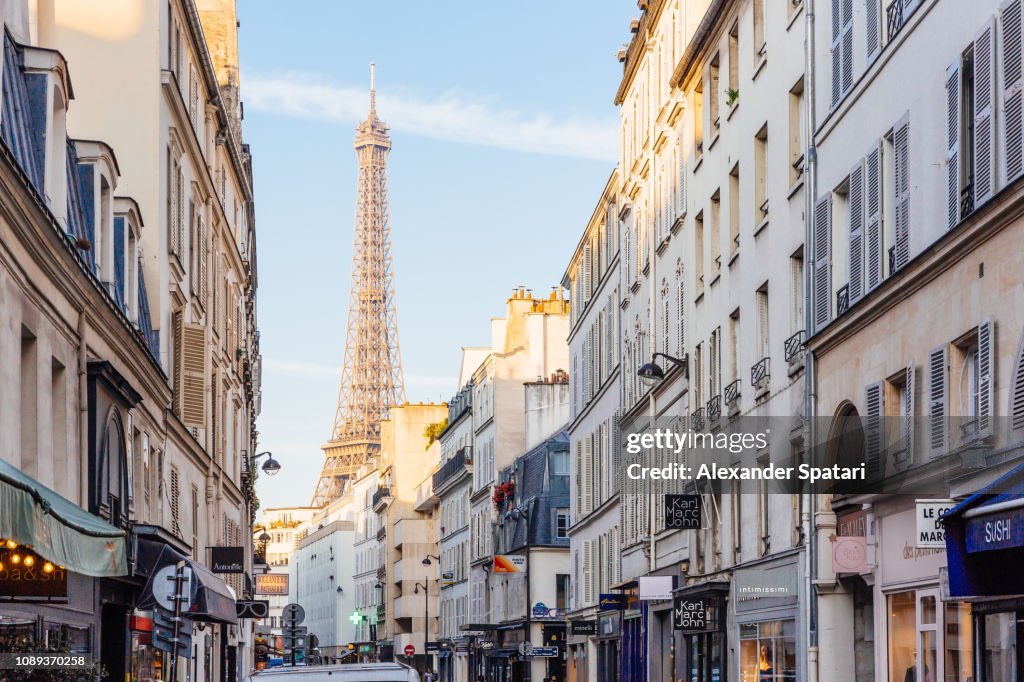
(929, 640)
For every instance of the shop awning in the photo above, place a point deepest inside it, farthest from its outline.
(58, 529)
(987, 527)
(211, 599)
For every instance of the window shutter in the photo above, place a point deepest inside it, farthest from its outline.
(953, 144)
(204, 257)
(901, 151)
(588, 474)
(1012, 82)
(873, 28)
(822, 238)
(984, 121)
(938, 397)
(873, 212)
(176, 329)
(847, 48)
(681, 180)
(173, 188)
(595, 568)
(179, 218)
(193, 411)
(175, 502)
(986, 377)
(909, 409)
(588, 574)
(837, 53)
(1017, 391)
(873, 429)
(856, 254)
(588, 281)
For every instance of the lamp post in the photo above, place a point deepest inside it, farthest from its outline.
(270, 467)
(426, 606)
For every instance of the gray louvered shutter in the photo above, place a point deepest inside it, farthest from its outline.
(847, 48)
(953, 144)
(1013, 115)
(984, 118)
(873, 410)
(588, 574)
(681, 186)
(901, 152)
(837, 54)
(938, 400)
(856, 252)
(873, 28)
(873, 214)
(822, 238)
(909, 408)
(1017, 391)
(986, 377)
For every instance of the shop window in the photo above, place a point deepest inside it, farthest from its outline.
(928, 639)
(1000, 641)
(768, 651)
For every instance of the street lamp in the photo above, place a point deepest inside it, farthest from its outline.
(271, 466)
(651, 373)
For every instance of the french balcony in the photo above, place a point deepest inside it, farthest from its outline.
(456, 469)
(697, 419)
(732, 392)
(759, 373)
(795, 347)
(843, 300)
(714, 408)
(381, 498)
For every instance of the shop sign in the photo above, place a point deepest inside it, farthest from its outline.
(763, 587)
(541, 610)
(583, 627)
(930, 532)
(999, 530)
(683, 511)
(19, 580)
(689, 615)
(852, 524)
(900, 559)
(611, 602)
(227, 559)
(447, 578)
(656, 587)
(485, 645)
(272, 584)
(849, 554)
(251, 608)
(510, 563)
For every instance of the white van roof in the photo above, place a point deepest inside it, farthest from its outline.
(341, 672)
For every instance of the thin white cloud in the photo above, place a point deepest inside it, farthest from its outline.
(445, 117)
(309, 369)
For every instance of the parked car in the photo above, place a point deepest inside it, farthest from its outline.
(342, 672)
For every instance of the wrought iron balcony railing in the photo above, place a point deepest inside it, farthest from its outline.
(896, 16)
(759, 374)
(454, 466)
(697, 419)
(892, 259)
(967, 200)
(843, 300)
(794, 345)
(381, 494)
(715, 408)
(732, 392)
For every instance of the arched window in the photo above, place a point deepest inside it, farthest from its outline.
(112, 472)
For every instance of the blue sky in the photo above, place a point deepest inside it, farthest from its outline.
(503, 135)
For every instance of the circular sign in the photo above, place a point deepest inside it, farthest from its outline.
(293, 614)
(849, 555)
(163, 587)
(525, 648)
(409, 650)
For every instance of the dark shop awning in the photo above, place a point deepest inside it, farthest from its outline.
(211, 600)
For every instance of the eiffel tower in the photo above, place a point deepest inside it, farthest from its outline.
(371, 379)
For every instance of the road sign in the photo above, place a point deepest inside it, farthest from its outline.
(543, 652)
(163, 631)
(409, 650)
(525, 648)
(163, 587)
(252, 608)
(293, 614)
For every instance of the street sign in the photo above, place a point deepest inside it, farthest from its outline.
(409, 650)
(252, 608)
(163, 631)
(293, 614)
(525, 648)
(163, 587)
(543, 652)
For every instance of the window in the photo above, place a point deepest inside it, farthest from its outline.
(561, 523)
(969, 155)
(698, 377)
(761, 177)
(28, 381)
(760, 46)
(715, 359)
(716, 235)
(713, 94)
(796, 138)
(768, 651)
(761, 299)
(734, 344)
(734, 65)
(562, 591)
(698, 121)
(698, 250)
(796, 288)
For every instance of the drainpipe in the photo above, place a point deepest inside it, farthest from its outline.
(83, 414)
(810, 602)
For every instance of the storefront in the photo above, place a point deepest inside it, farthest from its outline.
(925, 637)
(766, 605)
(699, 615)
(54, 557)
(985, 546)
(581, 634)
(609, 634)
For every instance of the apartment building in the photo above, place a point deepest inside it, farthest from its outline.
(451, 484)
(592, 278)
(916, 264)
(118, 409)
(321, 582)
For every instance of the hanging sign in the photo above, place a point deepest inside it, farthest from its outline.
(930, 533)
(683, 511)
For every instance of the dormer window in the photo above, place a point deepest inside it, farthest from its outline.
(127, 254)
(97, 171)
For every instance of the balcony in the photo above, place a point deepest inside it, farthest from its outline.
(759, 374)
(795, 347)
(455, 469)
(411, 530)
(381, 498)
(697, 420)
(843, 300)
(896, 16)
(732, 392)
(715, 408)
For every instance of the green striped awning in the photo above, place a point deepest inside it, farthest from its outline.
(58, 529)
